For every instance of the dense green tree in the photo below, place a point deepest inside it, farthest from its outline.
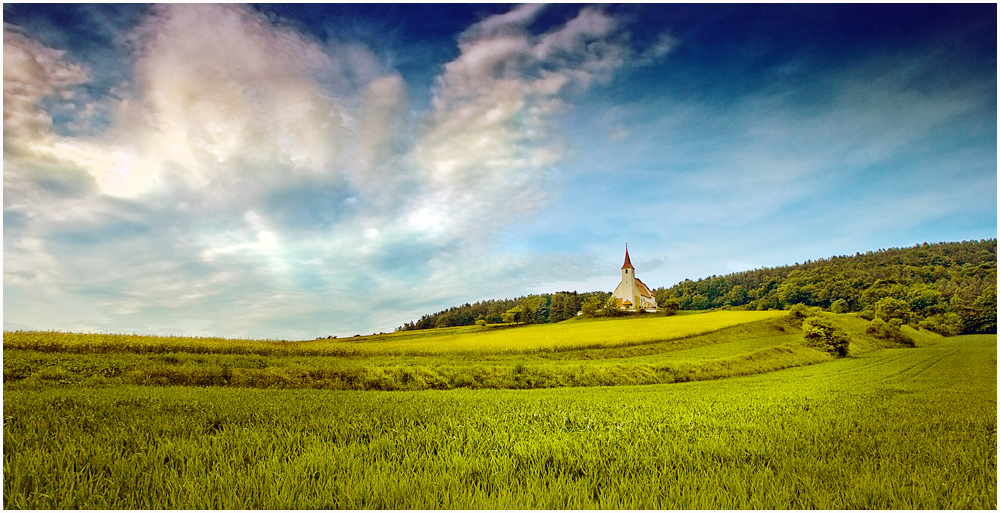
(736, 296)
(669, 306)
(789, 293)
(889, 308)
(982, 317)
(924, 299)
(513, 315)
(823, 335)
(591, 305)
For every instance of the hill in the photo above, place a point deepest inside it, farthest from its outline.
(947, 287)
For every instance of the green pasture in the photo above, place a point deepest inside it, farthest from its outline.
(641, 350)
(886, 428)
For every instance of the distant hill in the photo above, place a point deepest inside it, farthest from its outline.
(947, 287)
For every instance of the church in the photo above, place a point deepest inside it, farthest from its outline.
(633, 294)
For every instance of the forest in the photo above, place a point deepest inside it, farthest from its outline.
(946, 287)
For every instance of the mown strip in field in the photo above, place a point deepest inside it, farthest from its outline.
(888, 429)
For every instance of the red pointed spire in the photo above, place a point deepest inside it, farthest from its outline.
(628, 265)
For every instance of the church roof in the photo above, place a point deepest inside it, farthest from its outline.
(643, 289)
(628, 265)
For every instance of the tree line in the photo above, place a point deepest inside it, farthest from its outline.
(531, 309)
(946, 287)
(949, 287)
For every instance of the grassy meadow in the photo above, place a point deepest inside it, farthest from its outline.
(583, 352)
(114, 425)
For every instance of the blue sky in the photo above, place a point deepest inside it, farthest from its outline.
(292, 171)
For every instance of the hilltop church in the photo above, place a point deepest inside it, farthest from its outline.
(632, 294)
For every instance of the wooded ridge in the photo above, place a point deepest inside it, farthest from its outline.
(946, 287)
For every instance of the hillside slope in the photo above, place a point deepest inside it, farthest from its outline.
(946, 287)
(601, 352)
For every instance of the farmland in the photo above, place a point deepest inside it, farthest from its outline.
(643, 350)
(791, 427)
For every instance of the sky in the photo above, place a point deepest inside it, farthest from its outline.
(296, 171)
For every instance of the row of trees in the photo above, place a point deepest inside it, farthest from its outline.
(949, 288)
(946, 287)
(533, 309)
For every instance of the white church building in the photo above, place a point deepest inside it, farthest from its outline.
(632, 293)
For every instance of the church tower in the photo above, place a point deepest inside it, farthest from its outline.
(628, 283)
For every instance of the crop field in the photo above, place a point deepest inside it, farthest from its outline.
(885, 428)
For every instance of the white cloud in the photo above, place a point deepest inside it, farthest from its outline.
(488, 138)
(256, 182)
(664, 44)
(32, 72)
(378, 170)
(226, 97)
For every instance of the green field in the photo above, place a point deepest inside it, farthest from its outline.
(642, 350)
(119, 426)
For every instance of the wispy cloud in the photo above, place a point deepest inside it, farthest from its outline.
(836, 160)
(252, 178)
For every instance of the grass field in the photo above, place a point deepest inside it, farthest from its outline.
(886, 428)
(644, 350)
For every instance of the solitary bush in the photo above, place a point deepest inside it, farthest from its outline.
(946, 324)
(670, 306)
(889, 331)
(801, 311)
(823, 335)
(840, 306)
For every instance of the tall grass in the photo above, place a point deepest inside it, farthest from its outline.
(889, 429)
